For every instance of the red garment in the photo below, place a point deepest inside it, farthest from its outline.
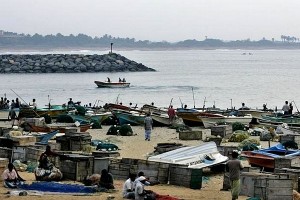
(164, 197)
(171, 112)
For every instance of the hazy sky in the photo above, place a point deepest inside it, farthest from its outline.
(155, 20)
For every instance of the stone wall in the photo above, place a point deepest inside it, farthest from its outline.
(68, 63)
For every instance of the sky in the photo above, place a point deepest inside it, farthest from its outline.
(154, 20)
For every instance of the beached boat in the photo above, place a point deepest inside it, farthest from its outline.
(193, 117)
(129, 117)
(265, 157)
(277, 119)
(200, 156)
(258, 114)
(53, 111)
(163, 120)
(211, 121)
(102, 84)
(60, 127)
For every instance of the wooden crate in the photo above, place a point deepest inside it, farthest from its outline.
(248, 181)
(190, 135)
(273, 188)
(77, 167)
(33, 154)
(290, 137)
(221, 130)
(187, 177)
(5, 152)
(24, 140)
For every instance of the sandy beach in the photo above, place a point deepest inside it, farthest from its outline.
(136, 147)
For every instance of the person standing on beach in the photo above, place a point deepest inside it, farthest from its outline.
(12, 116)
(171, 113)
(148, 126)
(286, 108)
(234, 167)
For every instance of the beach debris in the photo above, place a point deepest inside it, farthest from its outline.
(20, 166)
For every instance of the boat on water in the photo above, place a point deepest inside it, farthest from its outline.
(266, 157)
(200, 156)
(102, 84)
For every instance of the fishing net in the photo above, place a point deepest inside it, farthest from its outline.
(57, 187)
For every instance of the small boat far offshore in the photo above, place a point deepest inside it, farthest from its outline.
(102, 84)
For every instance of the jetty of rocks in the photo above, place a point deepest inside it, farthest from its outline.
(68, 63)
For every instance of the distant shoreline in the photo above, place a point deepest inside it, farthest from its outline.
(47, 49)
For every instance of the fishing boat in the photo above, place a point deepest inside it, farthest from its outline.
(266, 157)
(277, 119)
(211, 121)
(53, 111)
(258, 114)
(193, 117)
(60, 127)
(163, 120)
(102, 84)
(200, 156)
(129, 117)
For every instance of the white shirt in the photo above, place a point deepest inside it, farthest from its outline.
(139, 189)
(128, 185)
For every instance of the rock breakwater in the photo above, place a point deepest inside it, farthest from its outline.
(68, 63)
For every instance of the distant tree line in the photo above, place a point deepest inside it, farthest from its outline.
(15, 40)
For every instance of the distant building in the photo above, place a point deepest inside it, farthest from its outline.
(1, 32)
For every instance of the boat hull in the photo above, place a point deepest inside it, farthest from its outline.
(61, 129)
(101, 84)
(211, 121)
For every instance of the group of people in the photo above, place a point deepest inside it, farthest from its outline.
(120, 80)
(6, 104)
(287, 108)
(133, 187)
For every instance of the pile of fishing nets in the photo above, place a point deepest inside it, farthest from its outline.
(239, 136)
(124, 130)
(58, 187)
(249, 145)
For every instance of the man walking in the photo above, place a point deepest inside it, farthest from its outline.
(234, 167)
(148, 126)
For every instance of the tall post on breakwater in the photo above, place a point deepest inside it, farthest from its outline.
(111, 44)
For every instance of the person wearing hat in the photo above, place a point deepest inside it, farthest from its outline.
(234, 167)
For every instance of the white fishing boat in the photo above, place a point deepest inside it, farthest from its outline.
(200, 156)
(211, 121)
(102, 84)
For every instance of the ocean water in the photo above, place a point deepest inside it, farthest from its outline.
(223, 78)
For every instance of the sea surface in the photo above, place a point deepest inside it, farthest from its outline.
(223, 78)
